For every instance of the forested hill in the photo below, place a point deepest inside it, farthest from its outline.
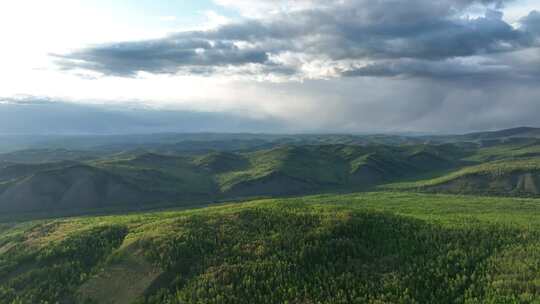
(80, 181)
(142, 180)
(359, 248)
(92, 145)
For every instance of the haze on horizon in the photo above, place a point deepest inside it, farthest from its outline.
(90, 66)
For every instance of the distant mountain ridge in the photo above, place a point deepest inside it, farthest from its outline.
(197, 143)
(207, 168)
(497, 136)
(142, 179)
(513, 132)
(71, 187)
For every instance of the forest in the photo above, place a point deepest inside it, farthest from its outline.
(377, 247)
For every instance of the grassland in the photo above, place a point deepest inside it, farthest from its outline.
(376, 247)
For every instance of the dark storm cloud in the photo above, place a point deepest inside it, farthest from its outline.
(448, 69)
(377, 104)
(161, 56)
(375, 31)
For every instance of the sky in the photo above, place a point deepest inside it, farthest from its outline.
(347, 66)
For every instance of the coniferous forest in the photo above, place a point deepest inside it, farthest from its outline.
(357, 248)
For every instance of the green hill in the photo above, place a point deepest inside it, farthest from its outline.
(293, 169)
(358, 248)
(510, 150)
(520, 132)
(285, 170)
(162, 174)
(520, 177)
(11, 172)
(151, 179)
(33, 156)
(490, 138)
(76, 187)
(157, 179)
(218, 162)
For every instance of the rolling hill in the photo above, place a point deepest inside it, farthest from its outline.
(14, 171)
(490, 138)
(49, 180)
(36, 156)
(76, 187)
(357, 248)
(145, 178)
(517, 177)
(520, 132)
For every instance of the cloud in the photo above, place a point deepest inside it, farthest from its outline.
(37, 115)
(337, 36)
(508, 68)
(334, 66)
(162, 56)
(463, 70)
(531, 23)
(379, 104)
(339, 105)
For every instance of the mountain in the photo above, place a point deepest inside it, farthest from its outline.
(167, 174)
(515, 177)
(219, 162)
(135, 179)
(14, 171)
(520, 132)
(188, 143)
(49, 155)
(76, 187)
(201, 143)
(515, 135)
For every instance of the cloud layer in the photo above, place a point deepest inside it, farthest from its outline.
(302, 65)
(315, 39)
(35, 115)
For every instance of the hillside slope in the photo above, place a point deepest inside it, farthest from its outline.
(172, 175)
(36, 156)
(145, 179)
(293, 169)
(520, 132)
(491, 137)
(517, 177)
(69, 188)
(140, 178)
(325, 249)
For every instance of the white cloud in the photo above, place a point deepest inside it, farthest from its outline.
(267, 8)
(517, 9)
(168, 18)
